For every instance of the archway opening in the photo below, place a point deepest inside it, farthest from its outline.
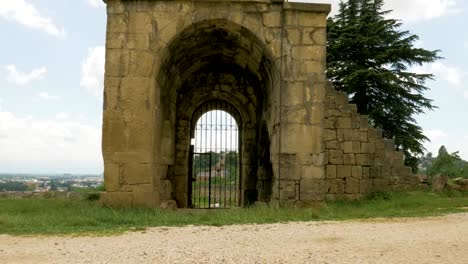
(214, 158)
(219, 61)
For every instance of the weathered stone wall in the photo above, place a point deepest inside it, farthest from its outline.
(266, 60)
(359, 160)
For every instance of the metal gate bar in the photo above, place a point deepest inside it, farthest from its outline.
(214, 159)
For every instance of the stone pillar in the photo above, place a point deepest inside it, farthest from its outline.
(129, 110)
(301, 161)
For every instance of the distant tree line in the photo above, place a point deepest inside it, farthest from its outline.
(15, 186)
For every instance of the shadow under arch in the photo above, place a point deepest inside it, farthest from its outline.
(217, 60)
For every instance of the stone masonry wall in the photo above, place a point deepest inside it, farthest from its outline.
(360, 160)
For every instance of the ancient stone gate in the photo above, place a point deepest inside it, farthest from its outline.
(264, 61)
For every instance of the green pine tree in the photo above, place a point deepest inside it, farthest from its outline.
(370, 58)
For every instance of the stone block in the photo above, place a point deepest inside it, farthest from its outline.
(364, 159)
(140, 22)
(351, 134)
(117, 62)
(293, 35)
(351, 147)
(315, 53)
(337, 186)
(113, 131)
(329, 135)
(363, 136)
(379, 185)
(145, 199)
(397, 171)
(363, 121)
(380, 159)
(341, 98)
(319, 36)
(289, 190)
(365, 172)
(367, 147)
(294, 95)
(349, 159)
(375, 172)
(142, 63)
(112, 176)
(329, 123)
(398, 158)
(313, 189)
(386, 172)
(116, 7)
(298, 138)
(138, 41)
(291, 171)
(306, 19)
(374, 134)
(344, 122)
(312, 67)
(335, 157)
(331, 171)
(116, 40)
(356, 172)
(138, 173)
(365, 186)
(343, 171)
(332, 145)
(313, 172)
(272, 19)
(165, 190)
(352, 186)
(111, 93)
(117, 23)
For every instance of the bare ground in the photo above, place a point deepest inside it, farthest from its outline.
(405, 240)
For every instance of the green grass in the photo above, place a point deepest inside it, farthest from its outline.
(61, 216)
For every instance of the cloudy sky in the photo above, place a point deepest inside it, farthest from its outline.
(52, 66)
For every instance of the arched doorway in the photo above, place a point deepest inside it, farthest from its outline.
(214, 157)
(221, 65)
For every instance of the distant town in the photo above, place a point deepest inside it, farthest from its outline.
(50, 182)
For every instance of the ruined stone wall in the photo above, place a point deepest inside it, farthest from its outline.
(266, 58)
(359, 160)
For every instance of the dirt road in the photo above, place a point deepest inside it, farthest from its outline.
(412, 240)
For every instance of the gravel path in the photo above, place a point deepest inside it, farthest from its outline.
(408, 240)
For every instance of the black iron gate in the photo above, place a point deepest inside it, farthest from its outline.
(214, 160)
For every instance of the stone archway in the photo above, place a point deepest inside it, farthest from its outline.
(217, 60)
(302, 142)
(164, 59)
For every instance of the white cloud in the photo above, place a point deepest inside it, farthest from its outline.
(421, 10)
(450, 74)
(20, 78)
(56, 145)
(437, 138)
(26, 14)
(408, 10)
(62, 116)
(92, 71)
(96, 3)
(435, 134)
(451, 140)
(46, 96)
(466, 95)
(465, 44)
